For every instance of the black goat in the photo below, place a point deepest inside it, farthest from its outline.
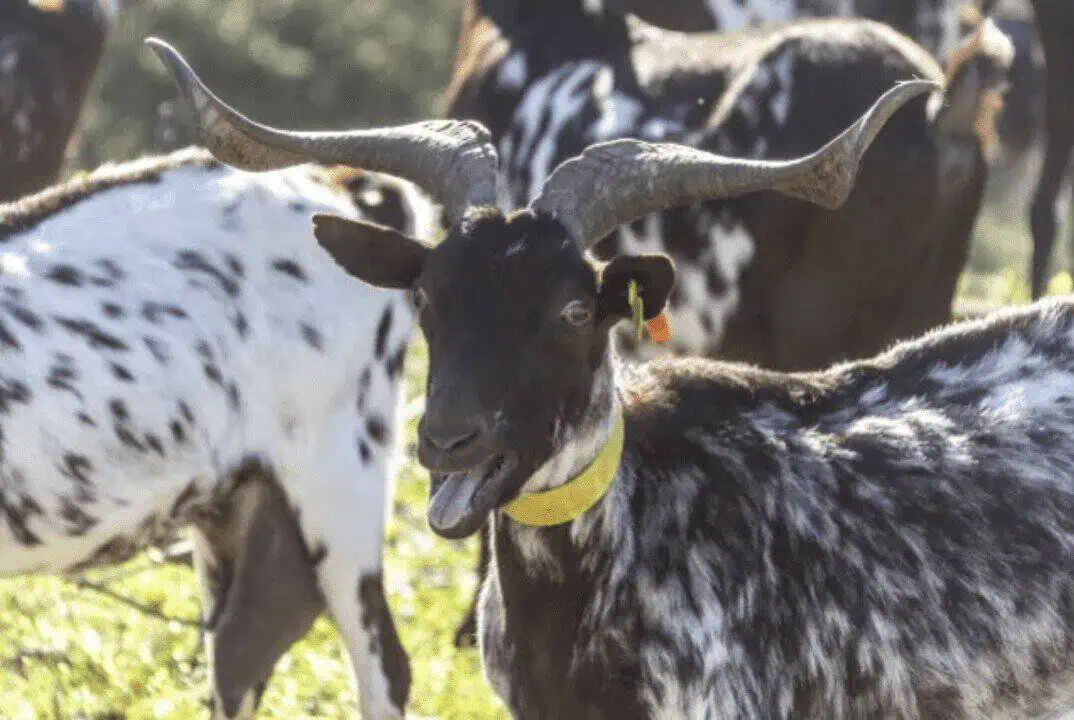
(891, 537)
(762, 278)
(1055, 21)
(49, 50)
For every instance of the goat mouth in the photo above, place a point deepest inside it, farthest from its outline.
(460, 501)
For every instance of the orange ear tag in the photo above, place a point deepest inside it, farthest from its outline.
(659, 328)
(49, 6)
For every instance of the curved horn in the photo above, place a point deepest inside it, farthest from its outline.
(453, 161)
(613, 183)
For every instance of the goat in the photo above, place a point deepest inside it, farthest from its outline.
(179, 352)
(1021, 119)
(938, 25)
(890, 537)
(1055, 22)
(763, 278)
(934, 24)
(49, 51)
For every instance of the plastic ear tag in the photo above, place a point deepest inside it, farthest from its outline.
(49, 6)
(637, 308)
(659, 328)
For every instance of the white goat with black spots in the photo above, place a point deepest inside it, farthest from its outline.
(888, 538)
(178, 351)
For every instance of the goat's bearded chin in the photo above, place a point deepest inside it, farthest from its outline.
(462, 500)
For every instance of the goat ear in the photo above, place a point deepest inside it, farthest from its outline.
(269, 602)
(372, 253)
(654, 274)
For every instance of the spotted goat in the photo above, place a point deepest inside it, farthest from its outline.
(936, 25)
(890, 537)
(180, 352)
(49, 51)
(761, 278)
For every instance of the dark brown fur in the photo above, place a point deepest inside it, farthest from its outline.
(55, 55)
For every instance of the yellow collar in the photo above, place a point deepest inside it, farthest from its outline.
(572, 499)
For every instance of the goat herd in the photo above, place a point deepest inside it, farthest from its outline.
(890, 537)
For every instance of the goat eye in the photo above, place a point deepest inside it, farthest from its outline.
(577, 313)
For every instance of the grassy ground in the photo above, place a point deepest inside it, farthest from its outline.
(67, 652)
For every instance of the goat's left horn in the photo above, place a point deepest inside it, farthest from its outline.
(616, 182)
(452, 160)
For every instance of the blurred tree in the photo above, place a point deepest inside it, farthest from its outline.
(301, 63)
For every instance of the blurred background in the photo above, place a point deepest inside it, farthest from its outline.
(304, 63)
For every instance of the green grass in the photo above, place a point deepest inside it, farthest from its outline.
(71, 653)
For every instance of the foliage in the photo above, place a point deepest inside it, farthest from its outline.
(338, 63)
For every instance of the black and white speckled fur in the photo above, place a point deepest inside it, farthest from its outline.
(169, 325)
(934, 24)
(761, 278)
(890, 538)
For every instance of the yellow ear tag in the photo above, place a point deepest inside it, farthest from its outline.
(659, 327)
(637, 308)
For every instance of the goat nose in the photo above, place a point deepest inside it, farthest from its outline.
(449, 444)
(453, 439)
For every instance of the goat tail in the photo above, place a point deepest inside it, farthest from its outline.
(975, 80)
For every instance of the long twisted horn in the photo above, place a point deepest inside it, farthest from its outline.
(454, 161)
(616, 182)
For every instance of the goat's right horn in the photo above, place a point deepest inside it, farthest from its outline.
(616, 182)
(454, 161)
